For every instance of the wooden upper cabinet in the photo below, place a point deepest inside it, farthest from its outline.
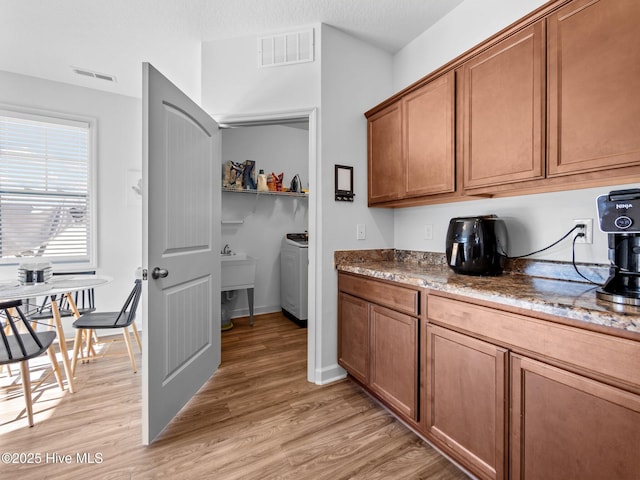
(594, 86)
(504, 111)
(412, 144)
(550, 103)
(429, 142)
(386, 164)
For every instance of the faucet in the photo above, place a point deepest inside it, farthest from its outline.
(226, 250)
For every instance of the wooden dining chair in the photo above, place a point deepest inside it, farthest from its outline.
(123, 319)
(83, 300)
(17, 347)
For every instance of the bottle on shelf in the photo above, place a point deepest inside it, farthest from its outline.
(262, 182)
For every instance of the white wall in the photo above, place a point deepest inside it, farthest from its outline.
(347, 78)
(119, 121)
(232, 83)
(465, 26)
(266, 218)
(275, 148)
(355, 76)
(533, 221)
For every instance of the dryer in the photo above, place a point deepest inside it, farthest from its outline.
(294, 267)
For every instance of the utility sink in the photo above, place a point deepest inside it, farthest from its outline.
(237, 271)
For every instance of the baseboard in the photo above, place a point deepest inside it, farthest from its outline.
(244, 312)
(330, 374)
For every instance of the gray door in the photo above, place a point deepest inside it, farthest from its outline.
(181, 245)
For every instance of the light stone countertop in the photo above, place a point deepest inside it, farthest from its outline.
(569, 300)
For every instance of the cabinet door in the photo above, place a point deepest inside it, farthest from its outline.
(594, 91)
(394, 359)
(503, 111)
(353, 336)
(567, 426)
(386, 163)
(429, 138)
(466, 397)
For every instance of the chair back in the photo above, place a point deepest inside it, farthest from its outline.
(128, 312)
(84, 300)
(11, 354)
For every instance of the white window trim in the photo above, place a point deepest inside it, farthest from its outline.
(72, 119)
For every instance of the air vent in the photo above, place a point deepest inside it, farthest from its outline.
(285, 48)
(88, 73)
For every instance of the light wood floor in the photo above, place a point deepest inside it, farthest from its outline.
(258, 418)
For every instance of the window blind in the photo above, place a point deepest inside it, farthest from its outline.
(45, 198)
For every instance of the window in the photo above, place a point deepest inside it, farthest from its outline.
(46, 188)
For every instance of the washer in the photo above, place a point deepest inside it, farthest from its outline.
(294, 266)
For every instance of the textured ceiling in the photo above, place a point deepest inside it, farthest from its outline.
(43, 38)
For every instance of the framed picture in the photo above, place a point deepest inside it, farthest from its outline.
(344, 183)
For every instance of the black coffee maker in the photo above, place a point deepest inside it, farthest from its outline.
(619, 213)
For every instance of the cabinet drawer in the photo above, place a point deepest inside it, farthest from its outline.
(608, 357)
(399, 298)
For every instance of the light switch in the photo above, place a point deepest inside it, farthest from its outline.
(361, 231)
(428, 232)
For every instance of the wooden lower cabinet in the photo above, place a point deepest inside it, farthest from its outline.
(378, 343)
(394, 359)
(353, 336)
(567, 426)
(569, 415)
(466, 398)
(503, 394)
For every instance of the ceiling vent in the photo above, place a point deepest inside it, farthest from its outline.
(88, 73)
(285, 48)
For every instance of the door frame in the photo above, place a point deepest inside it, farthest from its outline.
(314, 340)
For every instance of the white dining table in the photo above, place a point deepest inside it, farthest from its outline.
(62, 285)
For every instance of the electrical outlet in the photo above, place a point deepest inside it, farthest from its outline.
(428, 232)
(361, 231)
(587, 230)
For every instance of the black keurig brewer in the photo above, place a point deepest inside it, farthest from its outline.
(619, 214)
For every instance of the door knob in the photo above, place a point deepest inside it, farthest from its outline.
(159, 273)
